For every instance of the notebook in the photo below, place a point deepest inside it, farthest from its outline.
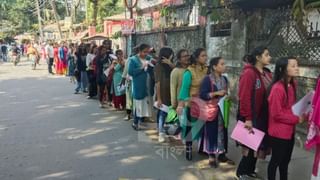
(242, 135)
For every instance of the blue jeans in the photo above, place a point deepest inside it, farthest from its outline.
(78, 86)
(136, 119)
(161, 119)
(84, 80)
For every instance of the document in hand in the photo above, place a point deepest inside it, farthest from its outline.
(121, 88)
(163, 108)
(249, 139)
(304, 105)
(106, 72)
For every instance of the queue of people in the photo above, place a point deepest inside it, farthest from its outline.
(189, 84)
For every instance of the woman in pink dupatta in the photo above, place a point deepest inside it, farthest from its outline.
(313, 138)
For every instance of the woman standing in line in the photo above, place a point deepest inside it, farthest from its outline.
(127, 81)
(143, 85)
(183, 60)
(119, 97)
(253, 107)
(72, 64)
(162, 72)
(214, 140)
(81, 67)
(56, 57)
(192, 78)
(282, 121)
(90, 71)
(102, 63)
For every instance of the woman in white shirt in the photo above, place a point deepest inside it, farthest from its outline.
(90, 71)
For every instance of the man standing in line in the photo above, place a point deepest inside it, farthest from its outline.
(49, 56)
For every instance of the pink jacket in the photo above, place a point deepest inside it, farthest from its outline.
(282, 121)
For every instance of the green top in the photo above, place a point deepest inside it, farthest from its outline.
(175, 84)
(184, 94)
(117, 77)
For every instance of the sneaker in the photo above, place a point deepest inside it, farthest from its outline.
(76, 92)
(161, 138)
(245, 177)
(127, 118)
(102, 105)
(135, 127)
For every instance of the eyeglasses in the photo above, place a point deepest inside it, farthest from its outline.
(185, 56)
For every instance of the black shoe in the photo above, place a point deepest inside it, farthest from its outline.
(76, 92)
(213, 164)
(224, 159)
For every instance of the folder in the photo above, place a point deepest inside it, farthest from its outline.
(249, 139)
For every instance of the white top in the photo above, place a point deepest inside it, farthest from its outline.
(89, 59)
(49, 51)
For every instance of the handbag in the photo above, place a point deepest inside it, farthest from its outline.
(204, 110)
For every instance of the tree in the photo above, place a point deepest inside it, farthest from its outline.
(95, 12)
(53, 5)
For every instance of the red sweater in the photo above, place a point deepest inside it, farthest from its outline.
(282, 121)
(251, 78)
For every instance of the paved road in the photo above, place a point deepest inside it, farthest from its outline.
(47, 132)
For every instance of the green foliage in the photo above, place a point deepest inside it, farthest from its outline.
(301, 7)
(18, 16)
(106, 8)
(117, 35)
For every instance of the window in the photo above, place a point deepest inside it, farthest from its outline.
(220, 30)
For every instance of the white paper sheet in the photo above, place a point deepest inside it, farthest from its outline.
(163, 108)
(304, 105)
(121, 88)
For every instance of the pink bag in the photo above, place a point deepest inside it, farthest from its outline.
(204, 110)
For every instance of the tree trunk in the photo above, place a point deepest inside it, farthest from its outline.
(95, 12)
(67, 8)
(53, 5)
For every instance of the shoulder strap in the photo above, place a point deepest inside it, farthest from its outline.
(253, 101)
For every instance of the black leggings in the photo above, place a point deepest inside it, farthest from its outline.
(92, 83)
(281, 156)
(247, 164)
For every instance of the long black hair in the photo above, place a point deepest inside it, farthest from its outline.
(258, 51)
(281, 74)
(213, 62)
(143, 47)
(165, 52)
(195, 55)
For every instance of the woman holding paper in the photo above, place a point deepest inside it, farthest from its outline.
(143, 85)
(282, 121)
(119, 97)
(254, 82)
(162, 72)
(214, 140)
(192, 78)
(102, 63)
